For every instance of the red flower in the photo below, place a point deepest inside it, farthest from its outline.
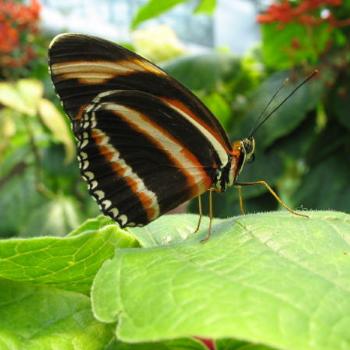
(18, 23)
(307, 12)
(8, 38)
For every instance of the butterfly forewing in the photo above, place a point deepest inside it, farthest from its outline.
(83, 66)
(145, 143)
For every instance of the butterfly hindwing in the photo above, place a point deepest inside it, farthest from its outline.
(135, 168)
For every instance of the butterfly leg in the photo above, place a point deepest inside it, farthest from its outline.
(268, 187)
(241, 203)
(200, 211)
(210, 216)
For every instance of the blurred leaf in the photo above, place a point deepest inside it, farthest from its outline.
(57, 175)
(22, 96)
(54, 121)
(10, 97)
(328, 142)
(206, 7)
(298, 142)
(17, 200)
(36, 318)
(152, 9)
(68, 263)
(31, 91)
(326, 185)
(7, 130)
(340, 104)
(259, 278)
(203, 72)
(288, 45)
(56, 217)
(166, 47)
(7, 124)
(219, 107)
(288, 116)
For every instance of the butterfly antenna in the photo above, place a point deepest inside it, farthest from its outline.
(268, 105)
(261, 122)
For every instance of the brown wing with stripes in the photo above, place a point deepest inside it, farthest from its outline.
(83, 66)
(140, 157)
(145, 143)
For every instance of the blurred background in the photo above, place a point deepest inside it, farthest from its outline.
(232, 54)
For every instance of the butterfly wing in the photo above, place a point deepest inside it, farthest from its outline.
(138, 168)
(145, 143)
(83, 66)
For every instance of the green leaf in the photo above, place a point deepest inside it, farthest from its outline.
(177, 344)
(92, 225)
(41, 318)
(68, 263)
(152, 9)
(273, 279)
(206, 7)
(229, 344)
(54, 121)
(22, 96)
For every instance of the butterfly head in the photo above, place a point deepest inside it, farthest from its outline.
(242, 152)
(248, 149)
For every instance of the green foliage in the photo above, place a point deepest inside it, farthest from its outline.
(37, 176)
(206, 7)
(151, 9)
(278, 44)
(26, 97)
(260, 278)
(178, 344)
(155, 8)
(38, 318)
(68, 263)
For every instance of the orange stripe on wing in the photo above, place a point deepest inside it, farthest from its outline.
(213, 137)
(147, 198)
(183, 159)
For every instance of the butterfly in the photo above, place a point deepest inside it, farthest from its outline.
(145, 143)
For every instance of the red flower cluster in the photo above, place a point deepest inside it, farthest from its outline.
(18, 26)
(307, 12)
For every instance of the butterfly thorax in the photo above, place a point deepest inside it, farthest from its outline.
(242, 152)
